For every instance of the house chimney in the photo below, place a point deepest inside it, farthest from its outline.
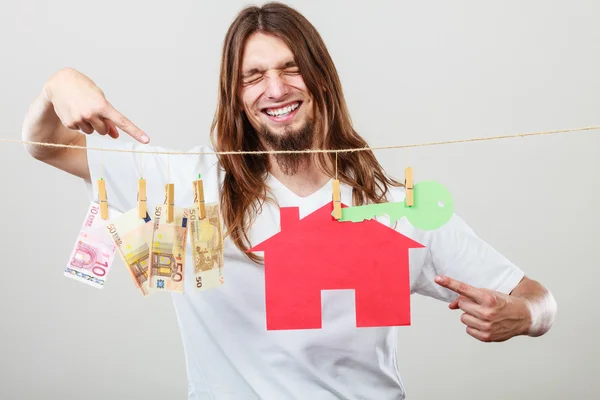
(289, 216)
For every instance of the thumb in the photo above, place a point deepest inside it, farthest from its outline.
(112, 130)
(454, 304)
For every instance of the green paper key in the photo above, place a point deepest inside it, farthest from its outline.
(433, 207)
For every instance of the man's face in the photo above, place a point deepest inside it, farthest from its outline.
(274, 96)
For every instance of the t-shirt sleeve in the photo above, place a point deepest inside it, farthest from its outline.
(455, 250)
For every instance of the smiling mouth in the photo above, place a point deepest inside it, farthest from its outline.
(281, 112)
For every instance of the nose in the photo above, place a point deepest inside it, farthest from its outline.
(276, 88)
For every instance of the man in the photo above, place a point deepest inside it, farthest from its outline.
(279, 90)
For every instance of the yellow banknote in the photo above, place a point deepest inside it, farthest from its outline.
(132, 235)
(167, 254)
(206, 239)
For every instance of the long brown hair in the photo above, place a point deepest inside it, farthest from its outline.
(244, 189)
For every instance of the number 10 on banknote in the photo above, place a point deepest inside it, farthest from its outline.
(94, 252)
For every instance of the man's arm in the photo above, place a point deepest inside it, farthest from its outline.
(41, 124)
(541, 303)
(69, 104)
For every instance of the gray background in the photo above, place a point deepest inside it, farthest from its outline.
(412, 72)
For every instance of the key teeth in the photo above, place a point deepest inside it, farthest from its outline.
(354, 215)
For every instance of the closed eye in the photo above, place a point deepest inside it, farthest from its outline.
(292, 71)
(252, 79)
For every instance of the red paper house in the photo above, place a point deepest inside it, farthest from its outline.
(318, 253)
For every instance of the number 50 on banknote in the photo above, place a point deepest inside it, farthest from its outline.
(207, 247)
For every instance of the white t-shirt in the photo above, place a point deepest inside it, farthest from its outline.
(229, 353)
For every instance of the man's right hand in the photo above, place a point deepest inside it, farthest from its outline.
(80, 104)
(69, 104)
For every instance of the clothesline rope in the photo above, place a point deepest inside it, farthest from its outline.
(437, 143)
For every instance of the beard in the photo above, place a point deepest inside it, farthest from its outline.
(290, 140)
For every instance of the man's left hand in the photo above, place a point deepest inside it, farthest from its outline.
(490, 316)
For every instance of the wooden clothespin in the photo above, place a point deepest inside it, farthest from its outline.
(199, 197)
(337, 200)
(408, 184)
(170, 201)
(102, 198)
(142, 205)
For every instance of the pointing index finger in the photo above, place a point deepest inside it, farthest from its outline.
(125, 124)
(461, 288)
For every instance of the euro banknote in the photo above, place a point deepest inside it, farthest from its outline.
(132, 236)
(206, 237)
(167, 258)
(93, 254)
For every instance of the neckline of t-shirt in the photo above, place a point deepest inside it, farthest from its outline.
(277, 185)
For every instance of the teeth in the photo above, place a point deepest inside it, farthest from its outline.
(282, 111)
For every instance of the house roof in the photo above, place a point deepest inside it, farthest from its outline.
(321, 229)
